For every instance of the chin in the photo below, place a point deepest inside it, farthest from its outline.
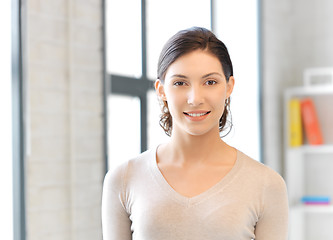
(198, 132)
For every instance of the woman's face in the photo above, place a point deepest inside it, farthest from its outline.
(196, 89)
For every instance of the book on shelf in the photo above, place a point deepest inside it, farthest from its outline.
(310, 122)
(316, 200)
(295, 123)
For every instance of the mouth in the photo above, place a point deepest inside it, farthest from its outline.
(196, 114)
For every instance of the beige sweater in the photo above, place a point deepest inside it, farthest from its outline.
(250, 202)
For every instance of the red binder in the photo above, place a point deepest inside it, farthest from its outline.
(310, 122)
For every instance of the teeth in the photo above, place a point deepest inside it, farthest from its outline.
(196, 114)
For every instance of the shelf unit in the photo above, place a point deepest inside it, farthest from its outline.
(309, 169)
(313, 209)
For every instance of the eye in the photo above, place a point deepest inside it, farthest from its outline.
(210, 82)
(179, 83)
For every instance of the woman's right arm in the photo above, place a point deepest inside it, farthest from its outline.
(115, 220)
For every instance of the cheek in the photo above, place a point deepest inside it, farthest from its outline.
(221, 107)
(218, 99)
(174, 97)
(175, 104)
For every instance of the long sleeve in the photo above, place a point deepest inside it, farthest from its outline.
(115, 220)
(273, 222)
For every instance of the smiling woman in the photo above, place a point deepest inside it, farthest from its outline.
(197, 81)
(195, 186)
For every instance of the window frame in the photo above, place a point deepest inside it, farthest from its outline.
(19, 215)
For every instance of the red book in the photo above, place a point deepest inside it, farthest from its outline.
(310, 122)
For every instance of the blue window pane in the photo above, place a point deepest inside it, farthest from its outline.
(165, 18)
(156, 134)
(244, 53)
(123, 33)
(123, 128)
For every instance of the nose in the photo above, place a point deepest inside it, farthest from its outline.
(195, 96)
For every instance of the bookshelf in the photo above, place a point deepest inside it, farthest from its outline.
(309, 168)
(313, 209)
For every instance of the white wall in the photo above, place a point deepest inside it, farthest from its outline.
(64, 166)
(277, 73)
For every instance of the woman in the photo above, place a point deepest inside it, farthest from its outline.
(195, 186)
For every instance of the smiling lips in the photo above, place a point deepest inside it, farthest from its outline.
(197, 115)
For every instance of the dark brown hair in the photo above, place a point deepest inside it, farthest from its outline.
(186, 41)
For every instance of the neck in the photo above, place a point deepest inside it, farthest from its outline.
(195, 149)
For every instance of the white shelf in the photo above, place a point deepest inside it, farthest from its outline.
(327, 148)
(309, 91)
(313, 209)
(319, 149)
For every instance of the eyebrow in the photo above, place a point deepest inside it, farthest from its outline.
(178, 76)
(210, 74)
(204, 76)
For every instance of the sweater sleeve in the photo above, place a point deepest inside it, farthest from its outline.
(273, 220)
(116, 224)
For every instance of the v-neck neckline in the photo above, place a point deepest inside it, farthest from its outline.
(190, 201)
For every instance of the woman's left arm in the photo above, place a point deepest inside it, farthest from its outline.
(273, 221)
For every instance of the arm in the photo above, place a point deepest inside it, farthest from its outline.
(273, 221)
(115, 220)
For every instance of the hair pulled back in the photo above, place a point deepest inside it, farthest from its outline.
(186, 41)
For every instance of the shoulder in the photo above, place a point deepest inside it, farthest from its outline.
(262, 173)
(120, 175)
(268, 185)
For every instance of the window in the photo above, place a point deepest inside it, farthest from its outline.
(135, 37)
(238, 28)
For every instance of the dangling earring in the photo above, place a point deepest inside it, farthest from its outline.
(165, 107)
(163, 98)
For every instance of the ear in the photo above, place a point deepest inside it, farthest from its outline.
(159, 88)
(230, 86)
